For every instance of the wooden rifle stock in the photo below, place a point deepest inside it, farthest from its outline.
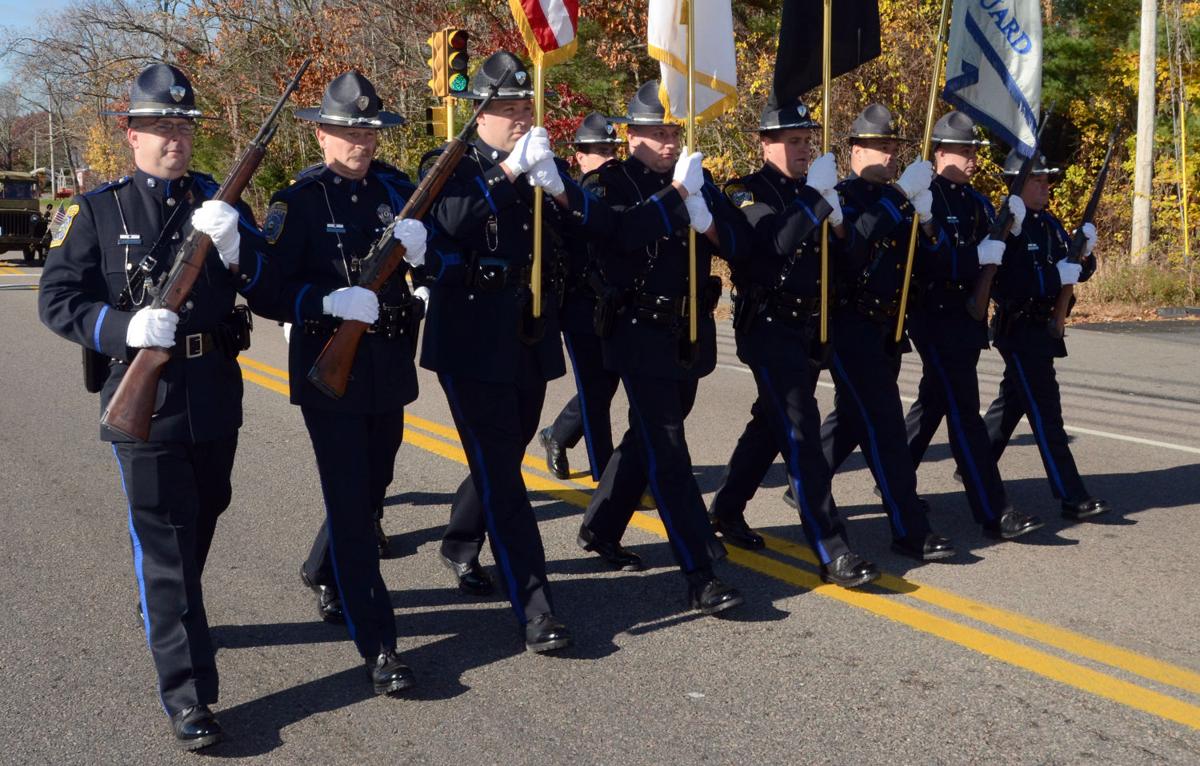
(330, 373)
(132, 406)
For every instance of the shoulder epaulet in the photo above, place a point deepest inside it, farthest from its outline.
(110, 185)
(981, 198)
(205, 183)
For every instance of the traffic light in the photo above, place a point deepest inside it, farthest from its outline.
(457, 58)
(437, 63)
(435, 121)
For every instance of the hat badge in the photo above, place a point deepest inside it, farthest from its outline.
(520, 77)
(802, 110)
(362, 102)
(177, 92)
(608, 128)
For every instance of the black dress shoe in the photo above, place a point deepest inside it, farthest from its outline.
(789, 499)
(1077, 510)
(388, 674)
(329, 602)
(711, 596)
(1012, 524)
(849, 571)
(471, 576)
(738, 532)
(196, 727)
(613, 554)
(545, 634)
(931, 548)
(381, 538)
(556, 456)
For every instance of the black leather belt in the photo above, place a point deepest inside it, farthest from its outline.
(194, 345)
(791, 308)
(393, 322)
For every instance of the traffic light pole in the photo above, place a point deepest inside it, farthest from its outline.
(449, 118)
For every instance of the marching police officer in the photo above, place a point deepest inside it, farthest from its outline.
(320, 228)
(587, 415)
(658, 191)
(878, 209)
(107, 252)
(945, 335)
(492, 356)
(778, 302)
(1035, 268)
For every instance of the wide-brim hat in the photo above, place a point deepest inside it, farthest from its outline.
(1014, 160)
(876, 122)
(644, 108)
(596, 129)
(516, 82)
(956, 128)
(350, 101)
(794, 116)
(160, 90)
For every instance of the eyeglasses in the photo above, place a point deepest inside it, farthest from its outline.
(168, 129)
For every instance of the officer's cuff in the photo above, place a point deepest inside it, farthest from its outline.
(109, 331)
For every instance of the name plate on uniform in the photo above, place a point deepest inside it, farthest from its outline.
(129, 239)
(335, 228)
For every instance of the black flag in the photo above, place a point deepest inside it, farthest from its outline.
(798, 62)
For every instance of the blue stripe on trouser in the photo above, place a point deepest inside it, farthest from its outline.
(793, 461)
(880, 474)
(583, 406)
(485, 497)
(652, 471)
(956, 424)
(1035, 418)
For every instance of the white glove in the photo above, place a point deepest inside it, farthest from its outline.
(990, 252)
(699, 213)
(689, 172)
(922, 202)
(1068, 273)
(357, 303)
(152, 328)
(422, 292)
(1016, 206)
(287, 332)
(410, 233)
(1089, 233)
(915, 178)
(835, 217)
(219, 220)
(822, 173)
(530, 148)
(544, 173)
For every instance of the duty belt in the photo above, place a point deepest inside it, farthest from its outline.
(195, 345)
(1037, 311)
(790, 308)
(659, 309)
(394, 321)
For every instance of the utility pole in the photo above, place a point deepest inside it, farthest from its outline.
(1143, 165)
(53, 176)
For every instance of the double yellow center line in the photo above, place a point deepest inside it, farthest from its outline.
(443, 441)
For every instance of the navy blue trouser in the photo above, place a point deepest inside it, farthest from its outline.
(588, 414)
(176, 491)
(350, 450)
(785, 421)
(654, 449)
(1029, 388)
(496, 422)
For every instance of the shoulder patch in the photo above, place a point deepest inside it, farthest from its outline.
(273, 224)
(739, 195)
(64, 225)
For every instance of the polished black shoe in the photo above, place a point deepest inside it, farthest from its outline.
(388, 674)
(545, 634)
(849, 571)
(789, 499)
(329, 602)
(381, 538)
(196, 727)
(556, 456)
(613, 554)
(471, 576)
(712, 596)
(1077, 510)
(1012, 524)
(932, 548)
(738, 532)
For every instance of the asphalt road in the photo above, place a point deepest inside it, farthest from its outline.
(1077, 646)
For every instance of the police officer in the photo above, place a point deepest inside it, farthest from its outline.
(878, 209)
(1034, 270)
(96, 290)
(775, 323)
(587, 415)
(658, 191)
(945, 335)
(492, 356)
(320, 228)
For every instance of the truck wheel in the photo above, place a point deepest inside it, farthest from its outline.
(27, 251)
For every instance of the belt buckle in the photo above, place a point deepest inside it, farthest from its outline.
(194, 345)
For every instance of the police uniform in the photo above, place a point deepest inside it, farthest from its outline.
(588, 414)
(320, 228)
(645, 258)
(1025, 290)
(949, 340)
(869, 277)
(775, 321)
(492, 357)
(108, 251)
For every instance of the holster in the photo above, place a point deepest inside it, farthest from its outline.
(233, 334)
(530, 329)
(95, 370)
(748, 303)
(608, 304)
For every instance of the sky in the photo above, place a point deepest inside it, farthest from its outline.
(24, 15)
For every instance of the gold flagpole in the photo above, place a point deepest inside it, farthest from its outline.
(938, 61)
(693, 309)
(826, 78)
(539, 109)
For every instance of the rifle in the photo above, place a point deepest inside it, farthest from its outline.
(1058, 321)
(132, 406)
(981, 295)
(331, 371)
